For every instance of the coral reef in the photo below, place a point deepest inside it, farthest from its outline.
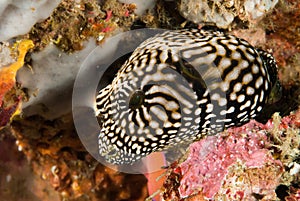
(58, 157)
(211, 159)
(223, 13)
(282, 38)
(17, 181)
(41, 156)
(282, 28)
(88, 20)
(141, 5)
(244, 163)
(9, 96)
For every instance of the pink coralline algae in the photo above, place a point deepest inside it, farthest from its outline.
(222, 165)
(252, 162)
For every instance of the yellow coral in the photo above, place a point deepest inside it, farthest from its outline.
(8, 73)
(8, 79)
(23, 47)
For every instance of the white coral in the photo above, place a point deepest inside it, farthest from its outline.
(257, 8)
(222, 12)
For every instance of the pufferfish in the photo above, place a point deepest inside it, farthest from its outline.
(178, 87)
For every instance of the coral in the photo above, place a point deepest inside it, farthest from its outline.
(122, 15)
(17, 181)
(243, 163)
(88, 19)
(9, 105)
(282, 26)
(207, 11)
(210, 160)
(141, 5)
(245, 183)
(163, 16)
(8, 73)
(57, 27)
(222, 13)
(257, 8)
(56, 155)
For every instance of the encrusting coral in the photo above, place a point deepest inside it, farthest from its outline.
(9, 105)
(243, 163)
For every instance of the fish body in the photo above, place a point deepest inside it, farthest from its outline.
(179, 86)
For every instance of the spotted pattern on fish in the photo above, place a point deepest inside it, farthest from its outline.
(179, 86)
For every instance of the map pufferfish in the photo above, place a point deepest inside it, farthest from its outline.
(179, 86)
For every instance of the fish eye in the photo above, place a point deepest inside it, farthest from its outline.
(136, 99)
